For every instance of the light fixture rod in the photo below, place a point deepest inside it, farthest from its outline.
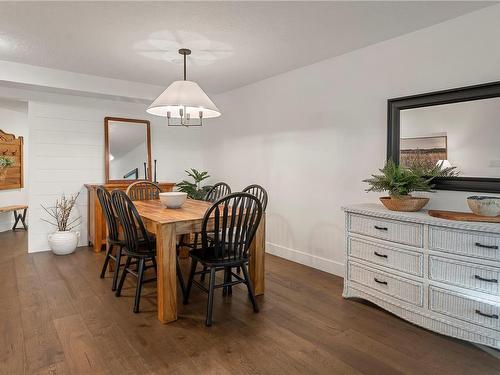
(185, 52)
(184, 67)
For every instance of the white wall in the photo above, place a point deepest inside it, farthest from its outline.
(14, 120)
(472, 129)
(67, 151)
(311, 135)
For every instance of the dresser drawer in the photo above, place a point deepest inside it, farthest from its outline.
(463, 242)
(390, 230)
(467, 275)
(462, 307)
(394, 286)
(398, 259)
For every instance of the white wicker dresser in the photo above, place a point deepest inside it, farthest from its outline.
(439, 274)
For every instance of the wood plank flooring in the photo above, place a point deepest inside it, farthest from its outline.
(58, 317)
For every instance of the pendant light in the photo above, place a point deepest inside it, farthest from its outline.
(184, 103)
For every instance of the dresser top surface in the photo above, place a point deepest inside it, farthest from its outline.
(378, 210)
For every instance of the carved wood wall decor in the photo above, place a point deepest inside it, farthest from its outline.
(12, 147)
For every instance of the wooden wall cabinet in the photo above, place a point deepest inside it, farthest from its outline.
(12, 147)
(96, 223)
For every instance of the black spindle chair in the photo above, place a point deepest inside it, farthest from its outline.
(261, 195)
(216, 192)
(143, 190)
(140, 246)
(259, 192)
(112, 239)
(227, 231)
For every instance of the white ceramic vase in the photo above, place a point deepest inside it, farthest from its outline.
(63, 242)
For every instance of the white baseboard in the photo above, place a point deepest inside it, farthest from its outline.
(314, 261)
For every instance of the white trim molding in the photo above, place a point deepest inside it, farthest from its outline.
(314, 261)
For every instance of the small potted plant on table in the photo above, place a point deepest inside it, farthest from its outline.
(400, 182)
(65, 239)
(194, 189)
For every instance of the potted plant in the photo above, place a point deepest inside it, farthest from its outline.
(400, 182)
(65, 239)
(194, 189)
(5, 162)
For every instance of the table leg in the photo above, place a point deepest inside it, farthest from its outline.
(167, 272)
(257, 258)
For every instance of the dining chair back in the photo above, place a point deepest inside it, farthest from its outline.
(114, 245)
(109, 215)
(219, 190)
(235, 219)
(137, 239)
(143, 190)
(259, 192)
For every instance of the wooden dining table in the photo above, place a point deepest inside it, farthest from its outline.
(167, 224)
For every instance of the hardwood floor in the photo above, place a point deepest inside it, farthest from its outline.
(58, 317)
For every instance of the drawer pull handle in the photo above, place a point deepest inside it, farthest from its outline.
(478, 244)
(380, 228)
(477, 277)
(380, 255)
(379, 281)
(492, 316)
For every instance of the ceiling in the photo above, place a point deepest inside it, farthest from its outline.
(233, 43)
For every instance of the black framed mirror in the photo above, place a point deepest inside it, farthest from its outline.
(458, 127)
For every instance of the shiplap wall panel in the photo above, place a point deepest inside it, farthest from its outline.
(61, 163)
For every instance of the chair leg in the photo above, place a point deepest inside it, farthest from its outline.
(238, 270)
(179, 276)
(138, 288)
(194, 263)
(122, 278)
(116, 272)
(248, 282)
(195, 243)
(155, 266)
(210, 304)
(202, 277)
(227, 290)
(224, 288)
(106, 261)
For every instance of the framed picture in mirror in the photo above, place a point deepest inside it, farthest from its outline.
(127, 149)
(452, 128)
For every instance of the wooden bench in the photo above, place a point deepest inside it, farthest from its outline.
(17, 216)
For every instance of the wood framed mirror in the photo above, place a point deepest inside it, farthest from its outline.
(458, 127)
(127, 149)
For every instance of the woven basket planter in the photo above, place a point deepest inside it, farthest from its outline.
(406, 204)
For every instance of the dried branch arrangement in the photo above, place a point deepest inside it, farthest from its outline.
(60, 213)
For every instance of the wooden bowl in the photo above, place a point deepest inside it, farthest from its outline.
(407, 204)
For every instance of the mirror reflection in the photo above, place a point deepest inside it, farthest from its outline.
(127, 150)
(464, 135)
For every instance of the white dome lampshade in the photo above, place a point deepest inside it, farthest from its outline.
(184, 100)
(186, 95)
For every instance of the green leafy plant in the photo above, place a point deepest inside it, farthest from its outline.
(194, 189)
(5, 162)
(400, 182)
